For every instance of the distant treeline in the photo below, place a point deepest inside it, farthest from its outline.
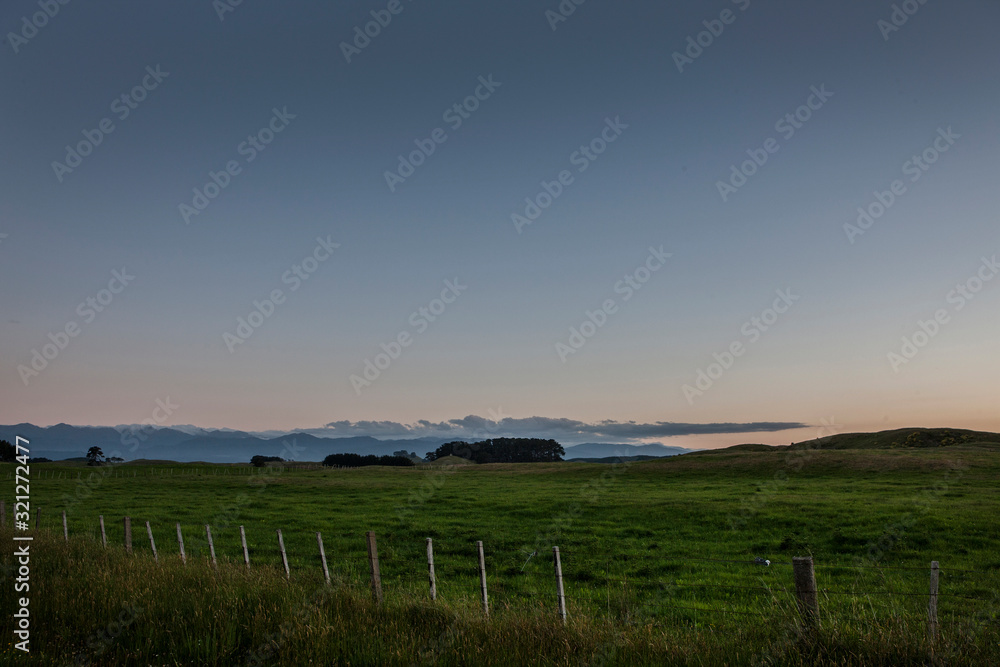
(357, 460)
(502, 450)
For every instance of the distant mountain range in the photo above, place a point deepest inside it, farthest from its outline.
(188, 443)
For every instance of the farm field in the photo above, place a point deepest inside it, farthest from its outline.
(658, 559)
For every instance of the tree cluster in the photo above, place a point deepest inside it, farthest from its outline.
(358, 461)
(260, 461)
(502, 450)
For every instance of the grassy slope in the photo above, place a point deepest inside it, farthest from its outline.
(631, 535)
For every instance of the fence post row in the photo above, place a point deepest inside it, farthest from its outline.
(373, 563)
(805, 591)
(482, 577)
(560, 593)
(932, 603)
(803, 570)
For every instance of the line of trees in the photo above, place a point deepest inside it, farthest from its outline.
(358, 461)
(502, 450)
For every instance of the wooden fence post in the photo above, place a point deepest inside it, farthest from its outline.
(932, 604)
(65, 527)
(482, 577)
(104, 535)
(560, 593)
(152, 544)
(322, 557)
(3, 513)
(246, 552)
(211, 545)
(805, 591)
(430, 568)
(128, 533)
(284, 556)
(180, 543)
(373, 562)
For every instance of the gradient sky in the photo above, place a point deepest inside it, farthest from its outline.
(495, 347)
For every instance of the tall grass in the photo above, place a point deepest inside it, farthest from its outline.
(109, 607)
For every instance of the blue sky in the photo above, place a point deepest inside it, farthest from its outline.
(495, 346)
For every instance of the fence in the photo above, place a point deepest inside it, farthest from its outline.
(789, 583)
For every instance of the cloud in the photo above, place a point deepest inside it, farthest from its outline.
(568, 431)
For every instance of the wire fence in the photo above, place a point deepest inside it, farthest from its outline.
(653, 587)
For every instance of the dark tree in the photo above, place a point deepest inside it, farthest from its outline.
(455, 448)
(261, 461)
(7, 451)
(95, 456)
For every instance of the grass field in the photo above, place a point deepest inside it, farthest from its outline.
(657, 556)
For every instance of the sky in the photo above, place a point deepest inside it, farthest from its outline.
(696, 223)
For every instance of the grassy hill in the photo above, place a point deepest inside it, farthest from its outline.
(903, 438)
(658, 558)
